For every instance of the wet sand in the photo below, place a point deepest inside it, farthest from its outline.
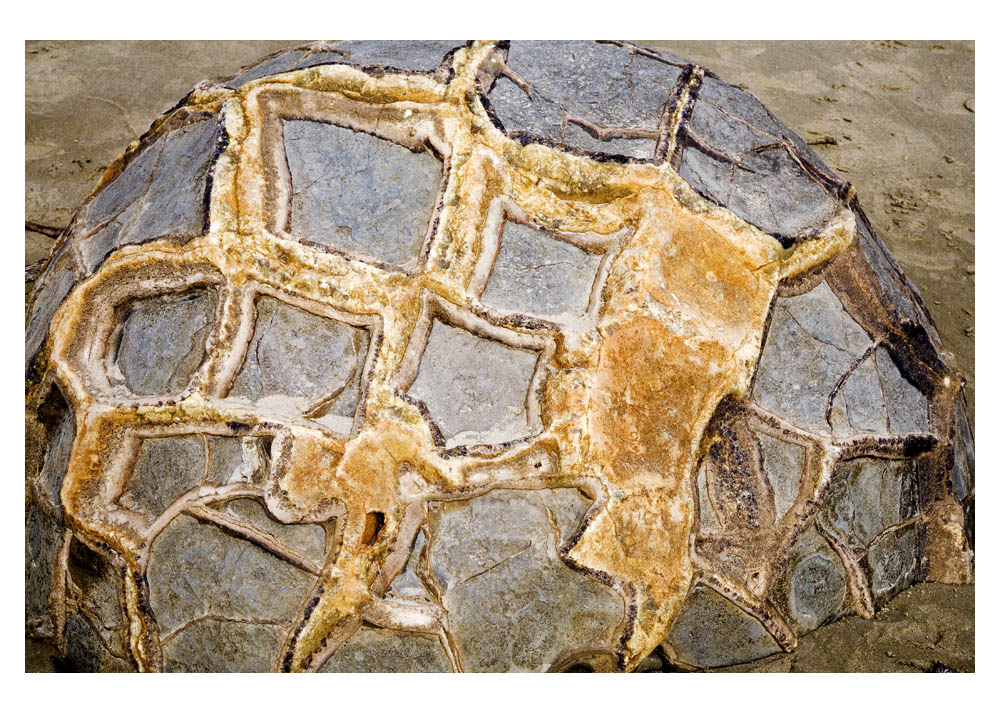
(895, 118)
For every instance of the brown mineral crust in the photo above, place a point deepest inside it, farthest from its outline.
(621, 398)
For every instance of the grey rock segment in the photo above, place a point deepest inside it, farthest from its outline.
(474, 388)
(42, 544)
(963, 477)
(373, 650)
(710, 631)
(165, 469)
(50, 291)
(163, 341)
(197, 571)
(813, 587)
(736, 156)
(86, 650)
(783, 463)
(358, 193)
(604, 84)
(512, 604)
(907, 407)
(328, 358)
(219, 646)
(160, 193)
(405, 55)
(868, 495)
(892, 563)
(236, 460)
(48, 484)
(810, 344)
(537, 274)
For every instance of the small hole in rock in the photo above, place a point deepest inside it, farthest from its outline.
(374, 522)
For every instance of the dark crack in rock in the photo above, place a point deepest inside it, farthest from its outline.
(358, 193)
(163, 341)
(512, 604)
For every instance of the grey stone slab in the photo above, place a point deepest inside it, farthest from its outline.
(867, 495)
(214, 646)
(603, 84)
(282, 62)
(99, 583)
(896, 288)
(537, 274)
(57, 282)
(766, 188)
(762, 181)
(42, 544)
(126, 189)
(907, 406)
(235, 460)
(358, 193)
(373, 650)
(783, 463)
(308, 540)
(49, 482)
(197, 570)
(474, 388)
(710, 631)
(163, 341)
(861, 403)
(406, 55)
(817, 587)
(810, 344)
(160, 193)
(165, 469)
(175, 201)
(299, 358)
(86, 651)
(963, 475)
(893, 563)
(399, 55)
(512, 604)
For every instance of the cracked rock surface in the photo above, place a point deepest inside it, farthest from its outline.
(483, 357)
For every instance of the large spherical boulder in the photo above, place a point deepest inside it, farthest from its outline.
(433, 356)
